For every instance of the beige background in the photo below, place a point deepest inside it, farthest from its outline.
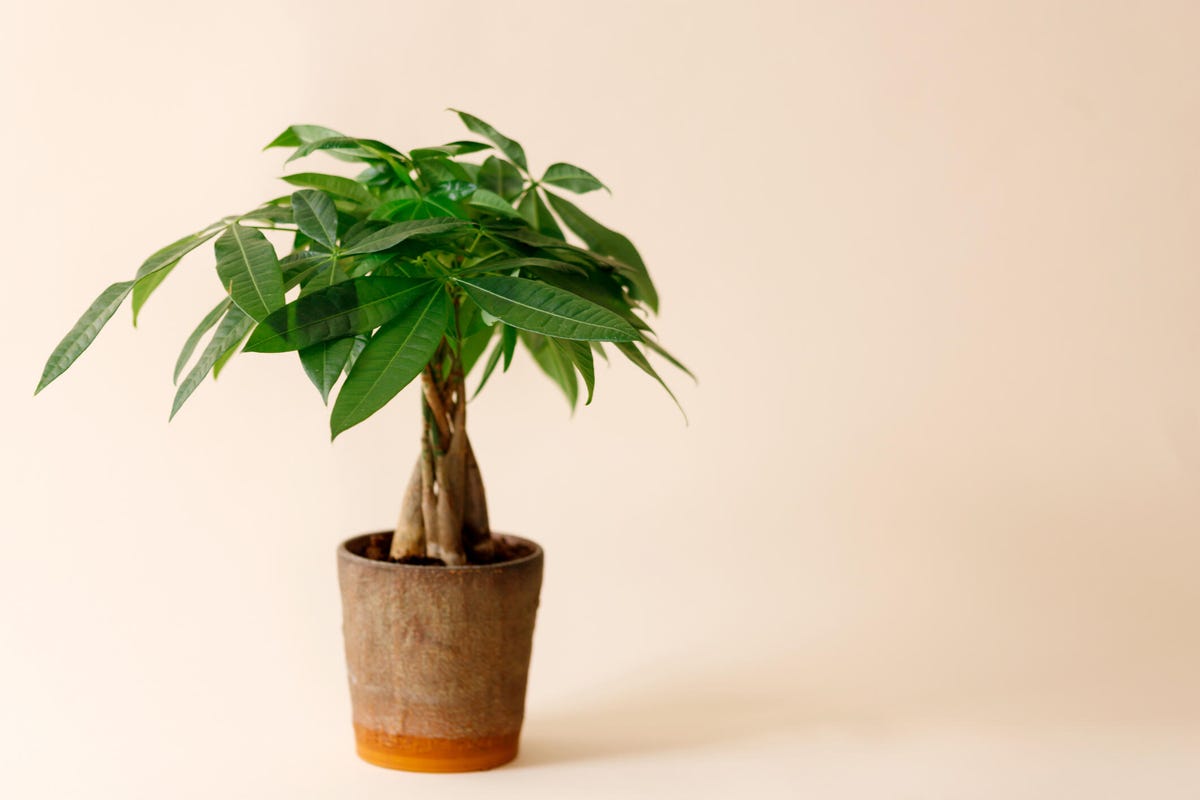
(932, 531)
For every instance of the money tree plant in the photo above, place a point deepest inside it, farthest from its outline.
(409, 271)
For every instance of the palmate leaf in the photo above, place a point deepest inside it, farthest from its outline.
(540, 308)
(230, 331)
(610, 243)
(343, 309)
(84, 332)
(224, 358)
(206, 324)
(512, 149)
(394, 234)
(324, 362)
(249, 271)
(572, 178)
(316, 216)
(395, 355)
(337, 185)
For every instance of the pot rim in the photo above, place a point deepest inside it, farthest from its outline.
(344, 551)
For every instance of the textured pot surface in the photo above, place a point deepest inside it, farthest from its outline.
(438, 657)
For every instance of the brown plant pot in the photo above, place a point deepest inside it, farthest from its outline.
(438, 657)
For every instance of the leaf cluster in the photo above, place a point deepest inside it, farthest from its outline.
(424, 259)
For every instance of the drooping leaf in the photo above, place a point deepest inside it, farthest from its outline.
(508, 340)
(230, 331)
(554, 363)
(670, 359)
(155, 269)
(512, 149)
(501, 177)
(224, 358)
(359, 344)
(324, 362)
(601, 289)
(610, 243)
(343, 309)
(473, 346)
(189, 346)
(579, 354)
(487, 200)
(538, 216)
(394, 234)
(395, 355)
(84, 332)
(337, 185)
(635, 355)
(316, 215)
(538, 307)
(572, 178)
(493, 359)
(249, 271)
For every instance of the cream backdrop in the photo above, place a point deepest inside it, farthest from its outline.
(931, 533)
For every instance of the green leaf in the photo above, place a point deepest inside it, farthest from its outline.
(508, 338)
(580, 354)
(487, 200)
(514, 151)
(324, 278)
(539, 217)
(572, 178)
(394, 234)
(144, 287)
(635, 355)
(296, 135)
(473, 347)
(493, 360)
(324, 362)
(316, 215)
(193, 339)
(249, 270)
(155, 269)
(359, 344)
(610, 243)
(350, 148)
(395, 355)
(223, 359)
(447, 150)
(509, 264)
(233, 327)
(335, 184)
(501, 177)
(343, 309)
(84, 332)
(555, 364)
(538, 307)
(656, 347)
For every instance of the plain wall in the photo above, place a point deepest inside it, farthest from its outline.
(937, 266)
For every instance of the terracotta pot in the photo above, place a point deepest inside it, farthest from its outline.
(438, 657)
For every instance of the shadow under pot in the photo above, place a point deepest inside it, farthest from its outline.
(438, 657)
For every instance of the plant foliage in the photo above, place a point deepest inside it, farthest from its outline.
(424, 253)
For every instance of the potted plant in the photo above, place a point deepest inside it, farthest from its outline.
(409, 272)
